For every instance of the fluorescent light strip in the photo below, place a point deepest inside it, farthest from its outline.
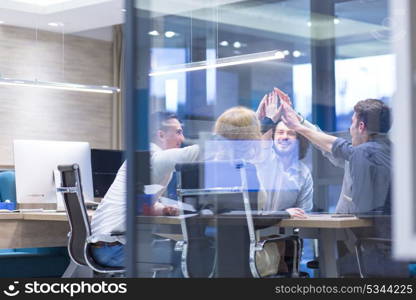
(60, 86)
(222, 62)
(42, 2)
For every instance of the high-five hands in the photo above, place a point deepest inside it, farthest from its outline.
(269, 107)
(276, 105)
(261, 110)
(284, 98)
(290, 117)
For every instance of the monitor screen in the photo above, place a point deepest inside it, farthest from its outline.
(211, 176)
(35, 162)
(105, 165)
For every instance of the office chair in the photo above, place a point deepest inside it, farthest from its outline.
(79, 248)
(7, 186)
(221, 187)
(373, 251)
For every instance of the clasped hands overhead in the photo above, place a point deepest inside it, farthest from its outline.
(277, 105)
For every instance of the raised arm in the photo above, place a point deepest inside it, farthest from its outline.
(322, 140)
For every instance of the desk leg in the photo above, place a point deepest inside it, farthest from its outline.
(75, 271)
(328, 253)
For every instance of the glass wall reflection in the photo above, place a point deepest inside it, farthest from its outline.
(239, 95)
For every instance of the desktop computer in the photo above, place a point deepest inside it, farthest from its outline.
(36, 163)
(105, 165)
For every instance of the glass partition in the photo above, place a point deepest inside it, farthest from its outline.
(234, 97)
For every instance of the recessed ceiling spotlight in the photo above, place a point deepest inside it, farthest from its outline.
(237, 45)
(123, 10)
(337, 21)
(286, 52)
(224, 43)
(55, 24)
(296, 53)
(309, 24)
(170, 34)
(154, 33)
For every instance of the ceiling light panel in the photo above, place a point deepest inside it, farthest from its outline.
(42, 2)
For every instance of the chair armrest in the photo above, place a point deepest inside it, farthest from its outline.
(171, 236)
(275, 238)
(374, 239)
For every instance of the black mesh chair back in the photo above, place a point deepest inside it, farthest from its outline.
(222, 244)
(78, 247)
(374, 249)
(77, 213)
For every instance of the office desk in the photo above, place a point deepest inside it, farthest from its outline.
(50, 229)
(325, 228)
(232, 243)
(36, 230)
(33, 230)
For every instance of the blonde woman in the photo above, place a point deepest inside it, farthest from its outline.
(238, 137)
(240, 133)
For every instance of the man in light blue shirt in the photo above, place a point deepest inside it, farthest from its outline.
(287, 180)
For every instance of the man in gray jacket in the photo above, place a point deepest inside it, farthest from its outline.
(369, 150)
(367, 182)
(368, 155)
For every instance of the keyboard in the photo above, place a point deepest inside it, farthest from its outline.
(256, 213)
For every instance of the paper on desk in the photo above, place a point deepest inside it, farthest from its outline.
(152, 189)
(157, 189)
(254, 212)
(171, 202)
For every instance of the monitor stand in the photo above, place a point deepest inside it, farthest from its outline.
(60, 205)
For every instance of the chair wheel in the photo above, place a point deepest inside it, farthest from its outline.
(303, 274)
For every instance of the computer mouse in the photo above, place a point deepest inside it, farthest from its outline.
(206, 212)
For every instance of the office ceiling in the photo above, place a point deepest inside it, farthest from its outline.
(75, 15)
(361, 22)
(85, 15)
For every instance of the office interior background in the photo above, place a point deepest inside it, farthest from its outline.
(326, 55)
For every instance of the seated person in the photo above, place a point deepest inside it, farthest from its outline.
(287, 180)
(368, 154)
(369, 165)
(167, 137)
(240, 135)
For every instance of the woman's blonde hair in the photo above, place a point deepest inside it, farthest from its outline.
(238, 123)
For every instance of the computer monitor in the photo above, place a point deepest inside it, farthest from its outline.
(35, 162)
(105, 165)
(214, 175)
